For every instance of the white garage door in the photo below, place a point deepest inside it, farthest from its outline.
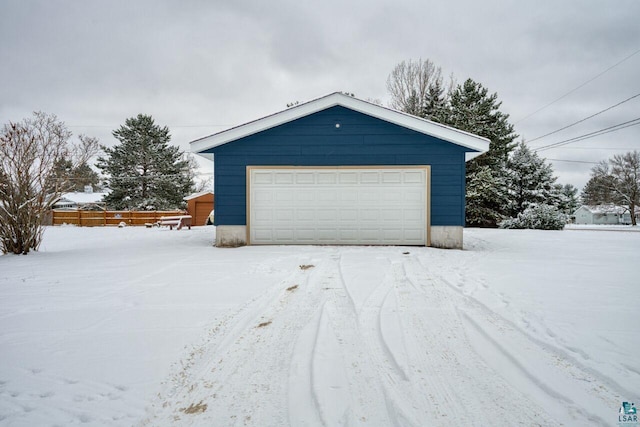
(377, 206)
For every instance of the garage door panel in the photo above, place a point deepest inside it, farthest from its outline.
(284, 235)
(263, 234)
(413, 177)
(305, 196)
(283, 196)
(347, 177)
(369, 196)
(413, 215)
(338, 206)
(284, 214)
(324, 215)
(349, 195)
(283, 177)
(262, 177)
(326, 178)
(391, 177)
(263, 215)
(369, 215)
(370, 177)
(348, 215)
(305, 214)
(305, 178)
(392, 197)
(327, 234)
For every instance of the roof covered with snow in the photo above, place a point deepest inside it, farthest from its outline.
(473, 143)
(605, 209)
(82, 197)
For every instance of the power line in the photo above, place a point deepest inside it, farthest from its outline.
(601, 148)
(609, 129)
(580, 86)
(585, 119)
(573, 161)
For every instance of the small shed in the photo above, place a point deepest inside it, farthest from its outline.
(340, 170)
(199, 206)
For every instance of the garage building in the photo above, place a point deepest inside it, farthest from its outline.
(339, 170)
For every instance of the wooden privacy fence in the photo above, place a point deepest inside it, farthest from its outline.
(101, 218)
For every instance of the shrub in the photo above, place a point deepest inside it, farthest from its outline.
(540, 217)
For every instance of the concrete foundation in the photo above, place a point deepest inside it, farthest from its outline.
(446, 236)
(231, 236)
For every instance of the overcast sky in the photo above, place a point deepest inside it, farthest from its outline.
(199, 67)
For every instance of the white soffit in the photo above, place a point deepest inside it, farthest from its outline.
(446, 133)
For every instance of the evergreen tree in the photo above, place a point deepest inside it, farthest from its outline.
(472, 109)
(486, 197)
(144, 172)
(567, 198)
(531, 181)
(76, 177)
(436, 103)
(416, 88)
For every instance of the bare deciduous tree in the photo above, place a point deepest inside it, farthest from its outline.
(620, 176)
(28, 153)
(410, 83)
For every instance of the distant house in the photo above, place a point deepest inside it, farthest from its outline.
(199, 206)
(603, 214)
(81, 200)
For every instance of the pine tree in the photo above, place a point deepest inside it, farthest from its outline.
(472, 109)
(436, 102)
(567, 196)
(531, 181)
(76, 177)
(144, 172)
(416, 88)
(486, 197)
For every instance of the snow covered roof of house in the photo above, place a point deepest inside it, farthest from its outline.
(196, 195)
(605, 209)
(476, 144)
(82, 197)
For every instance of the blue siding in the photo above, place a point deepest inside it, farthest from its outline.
(361, 140)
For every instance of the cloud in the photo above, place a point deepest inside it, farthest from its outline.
(216, 64)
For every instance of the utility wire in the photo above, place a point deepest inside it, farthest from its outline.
(573, 161)
(580, 86)
(585, 119)
(609, 129)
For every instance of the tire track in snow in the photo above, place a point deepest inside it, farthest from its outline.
(366, 395)
(241, 370)
(460, 388)
(407, 356)
(384, 330)
(543, 376)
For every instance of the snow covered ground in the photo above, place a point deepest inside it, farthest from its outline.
(135, 326)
